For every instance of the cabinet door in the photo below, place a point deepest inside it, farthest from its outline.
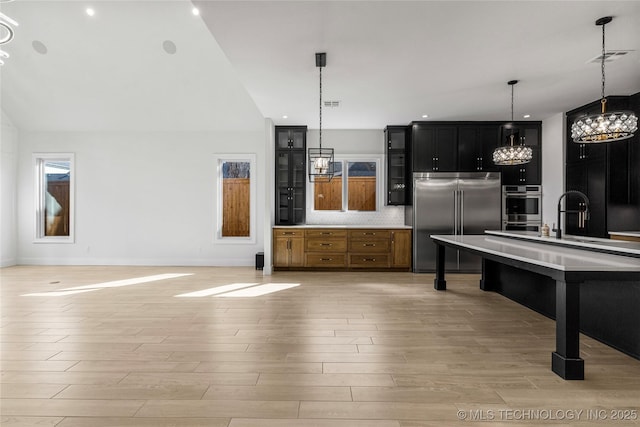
(469, 149)
(401, 249)
(475, 147)
(423, 148)
(396, 137)
(489, 137)
(281, 252)
(446, 148)
(434, 148)
(396, 177)
(296, 252)
(291, 137)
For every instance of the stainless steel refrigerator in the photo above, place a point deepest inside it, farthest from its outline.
(455, 203)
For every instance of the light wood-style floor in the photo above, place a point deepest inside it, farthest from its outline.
(339, 350)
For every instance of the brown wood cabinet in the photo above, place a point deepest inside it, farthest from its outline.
(401, 249)
(341, 248)
(288, 247)
(325, 248)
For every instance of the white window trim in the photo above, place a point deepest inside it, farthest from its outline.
(39, 201)
(253, 198)
(377, 158)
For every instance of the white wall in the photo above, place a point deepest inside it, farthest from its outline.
(142, 198)
(553, 136)
(354, 142)
(8, 175)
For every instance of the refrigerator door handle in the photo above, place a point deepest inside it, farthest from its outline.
(455, 212)
(462, 212)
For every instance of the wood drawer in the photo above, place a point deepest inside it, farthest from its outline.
(333, 260)
(280, 232)
(369, 234)
(368, 260)
(370, 246)
(326, 232)
(326, 245)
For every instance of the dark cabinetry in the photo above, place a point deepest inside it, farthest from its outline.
(475, 147)
(291, 143)
(397, 170)
(607, 173)
(527, 133)
(434, 147)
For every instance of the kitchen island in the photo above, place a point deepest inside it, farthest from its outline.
(584, 291)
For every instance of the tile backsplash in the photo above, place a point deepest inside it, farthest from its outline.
(387, 215)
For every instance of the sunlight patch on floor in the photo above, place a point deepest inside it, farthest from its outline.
(112, 284)
(217, 290)
(257, 291)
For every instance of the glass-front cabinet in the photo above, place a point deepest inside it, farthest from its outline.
(397, 173)
(291, 143)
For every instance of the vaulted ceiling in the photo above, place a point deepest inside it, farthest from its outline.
(388, 62)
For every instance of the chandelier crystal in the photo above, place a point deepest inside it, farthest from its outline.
(604, 127)
(512, 154)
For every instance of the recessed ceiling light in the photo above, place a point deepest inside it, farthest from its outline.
(39, 47)
(195, 11)
(169, 47)
(526, 116)
(285, 117)
(90, 11)
(424, 116)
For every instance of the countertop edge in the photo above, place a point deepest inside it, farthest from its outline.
(605, 246)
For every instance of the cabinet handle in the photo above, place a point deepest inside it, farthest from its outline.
(326, 244)
(326, 233)
(326, 259)
(393, 237)
(368, 259)
(368, 244)
(369, 233)
(288, 233)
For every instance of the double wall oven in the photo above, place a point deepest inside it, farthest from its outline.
(522, 207)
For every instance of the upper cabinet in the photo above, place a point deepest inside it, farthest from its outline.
(290, 167)
(434, 147)
(397, 168)
(475, 147)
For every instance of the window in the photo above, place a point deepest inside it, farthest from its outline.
(236, 198)
(361, 188)
(355, 190)
(54, 180)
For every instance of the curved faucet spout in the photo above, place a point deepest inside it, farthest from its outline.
(583, 214)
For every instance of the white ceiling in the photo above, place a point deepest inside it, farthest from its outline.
(388, 62)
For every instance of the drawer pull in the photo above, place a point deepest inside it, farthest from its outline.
(369, 234)
(326, 259)
(368, 244)
(326, 233)
(326, 244)
(368, 259)
(288, 233)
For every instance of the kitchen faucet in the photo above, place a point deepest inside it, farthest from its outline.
(583, 215)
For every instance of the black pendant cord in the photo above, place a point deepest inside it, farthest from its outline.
(512, 102)
(603, 99)
(320, 130)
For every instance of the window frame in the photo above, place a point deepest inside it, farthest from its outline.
(38, 161)
(219, 159)
(378, 159)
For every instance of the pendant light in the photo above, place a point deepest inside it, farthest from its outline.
(6, 33)
(321, 164)
(604, 127)
(512, 153)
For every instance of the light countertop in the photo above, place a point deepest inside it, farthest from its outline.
(342, 226)
(619, 247)
(556, 257)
